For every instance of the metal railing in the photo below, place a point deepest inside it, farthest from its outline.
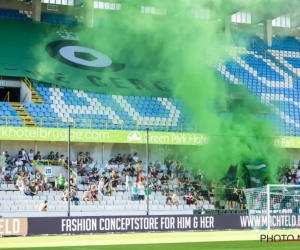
(83, 123)
(28, 83)
(45, 162)
(7, 97)
(126, 125)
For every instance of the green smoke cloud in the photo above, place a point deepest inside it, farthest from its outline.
(181, 50)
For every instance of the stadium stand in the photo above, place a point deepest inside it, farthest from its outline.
(14, 15)
(59, 19)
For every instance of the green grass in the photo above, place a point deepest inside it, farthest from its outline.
(225, 245)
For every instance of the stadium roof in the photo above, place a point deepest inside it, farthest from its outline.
(260, 10)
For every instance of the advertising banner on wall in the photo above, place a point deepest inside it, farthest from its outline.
(13, 226)
(106, 136)
(118, 224)
(119, 136)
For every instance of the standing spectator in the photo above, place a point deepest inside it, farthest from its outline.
(114, 179)
(134, 192)
(157, 166)
(173, 169)
(235, 198)
(139, 166)
(141, 191)
(129, 158)
(289, 177)
(31, 156)
(51, 156)
(211, 194)
(81, 159)
(243, 199)
(108, 189)
(37, 156)
(124, 158)
(60, 182)
(2, 165)
(88, 158)
(175, 184)
(228, 196)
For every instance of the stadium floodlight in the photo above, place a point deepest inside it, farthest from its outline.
(274, 207)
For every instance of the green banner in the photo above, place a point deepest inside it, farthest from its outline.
(119, 136)
(81, 58)
(106, 136)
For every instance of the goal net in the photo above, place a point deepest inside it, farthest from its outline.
(274, 207)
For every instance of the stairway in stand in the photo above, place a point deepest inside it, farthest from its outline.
(35, 97)
(22, 112)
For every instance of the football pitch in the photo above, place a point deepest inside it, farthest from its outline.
(217, 240)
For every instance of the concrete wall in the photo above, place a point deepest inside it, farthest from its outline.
(25, 94)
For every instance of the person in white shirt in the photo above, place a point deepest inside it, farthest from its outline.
(31, 155)
(175, 184)
(135, 157)
(18, 167)
(141, 191)
(74, 163)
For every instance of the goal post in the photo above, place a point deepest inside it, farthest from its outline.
(274, 207)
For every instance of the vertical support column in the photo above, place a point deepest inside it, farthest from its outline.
(36, 10)
(227, 24)
(89, 13)
(268, 32)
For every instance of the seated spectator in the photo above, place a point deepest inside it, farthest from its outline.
(141, 192)
(134, 192)
(94, 194)
(169, 199)
(95, 169)
(106, 180)
(19, 165)
(74, 163)
(66, 184)
(80, 170)
(60, 182)
(11, 165)
(32, 189)
(43, 207)
(157, 166)
(198, 200)
(88, 158)
(175, 200)
(108, 189)
(119, 159)
(189, 199)
(19, 182)
(86, 180)
(166, 190)
(24, 190)
(87, 195)
(65, 196)
(135, 158)
(164, 179)
(87, 168)
(73, 181)
(30, 177)
(114, 179)
(73, 196)
(101, 186)
(7, 179)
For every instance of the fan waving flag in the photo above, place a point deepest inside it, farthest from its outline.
(230, 177)
(253, 176)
